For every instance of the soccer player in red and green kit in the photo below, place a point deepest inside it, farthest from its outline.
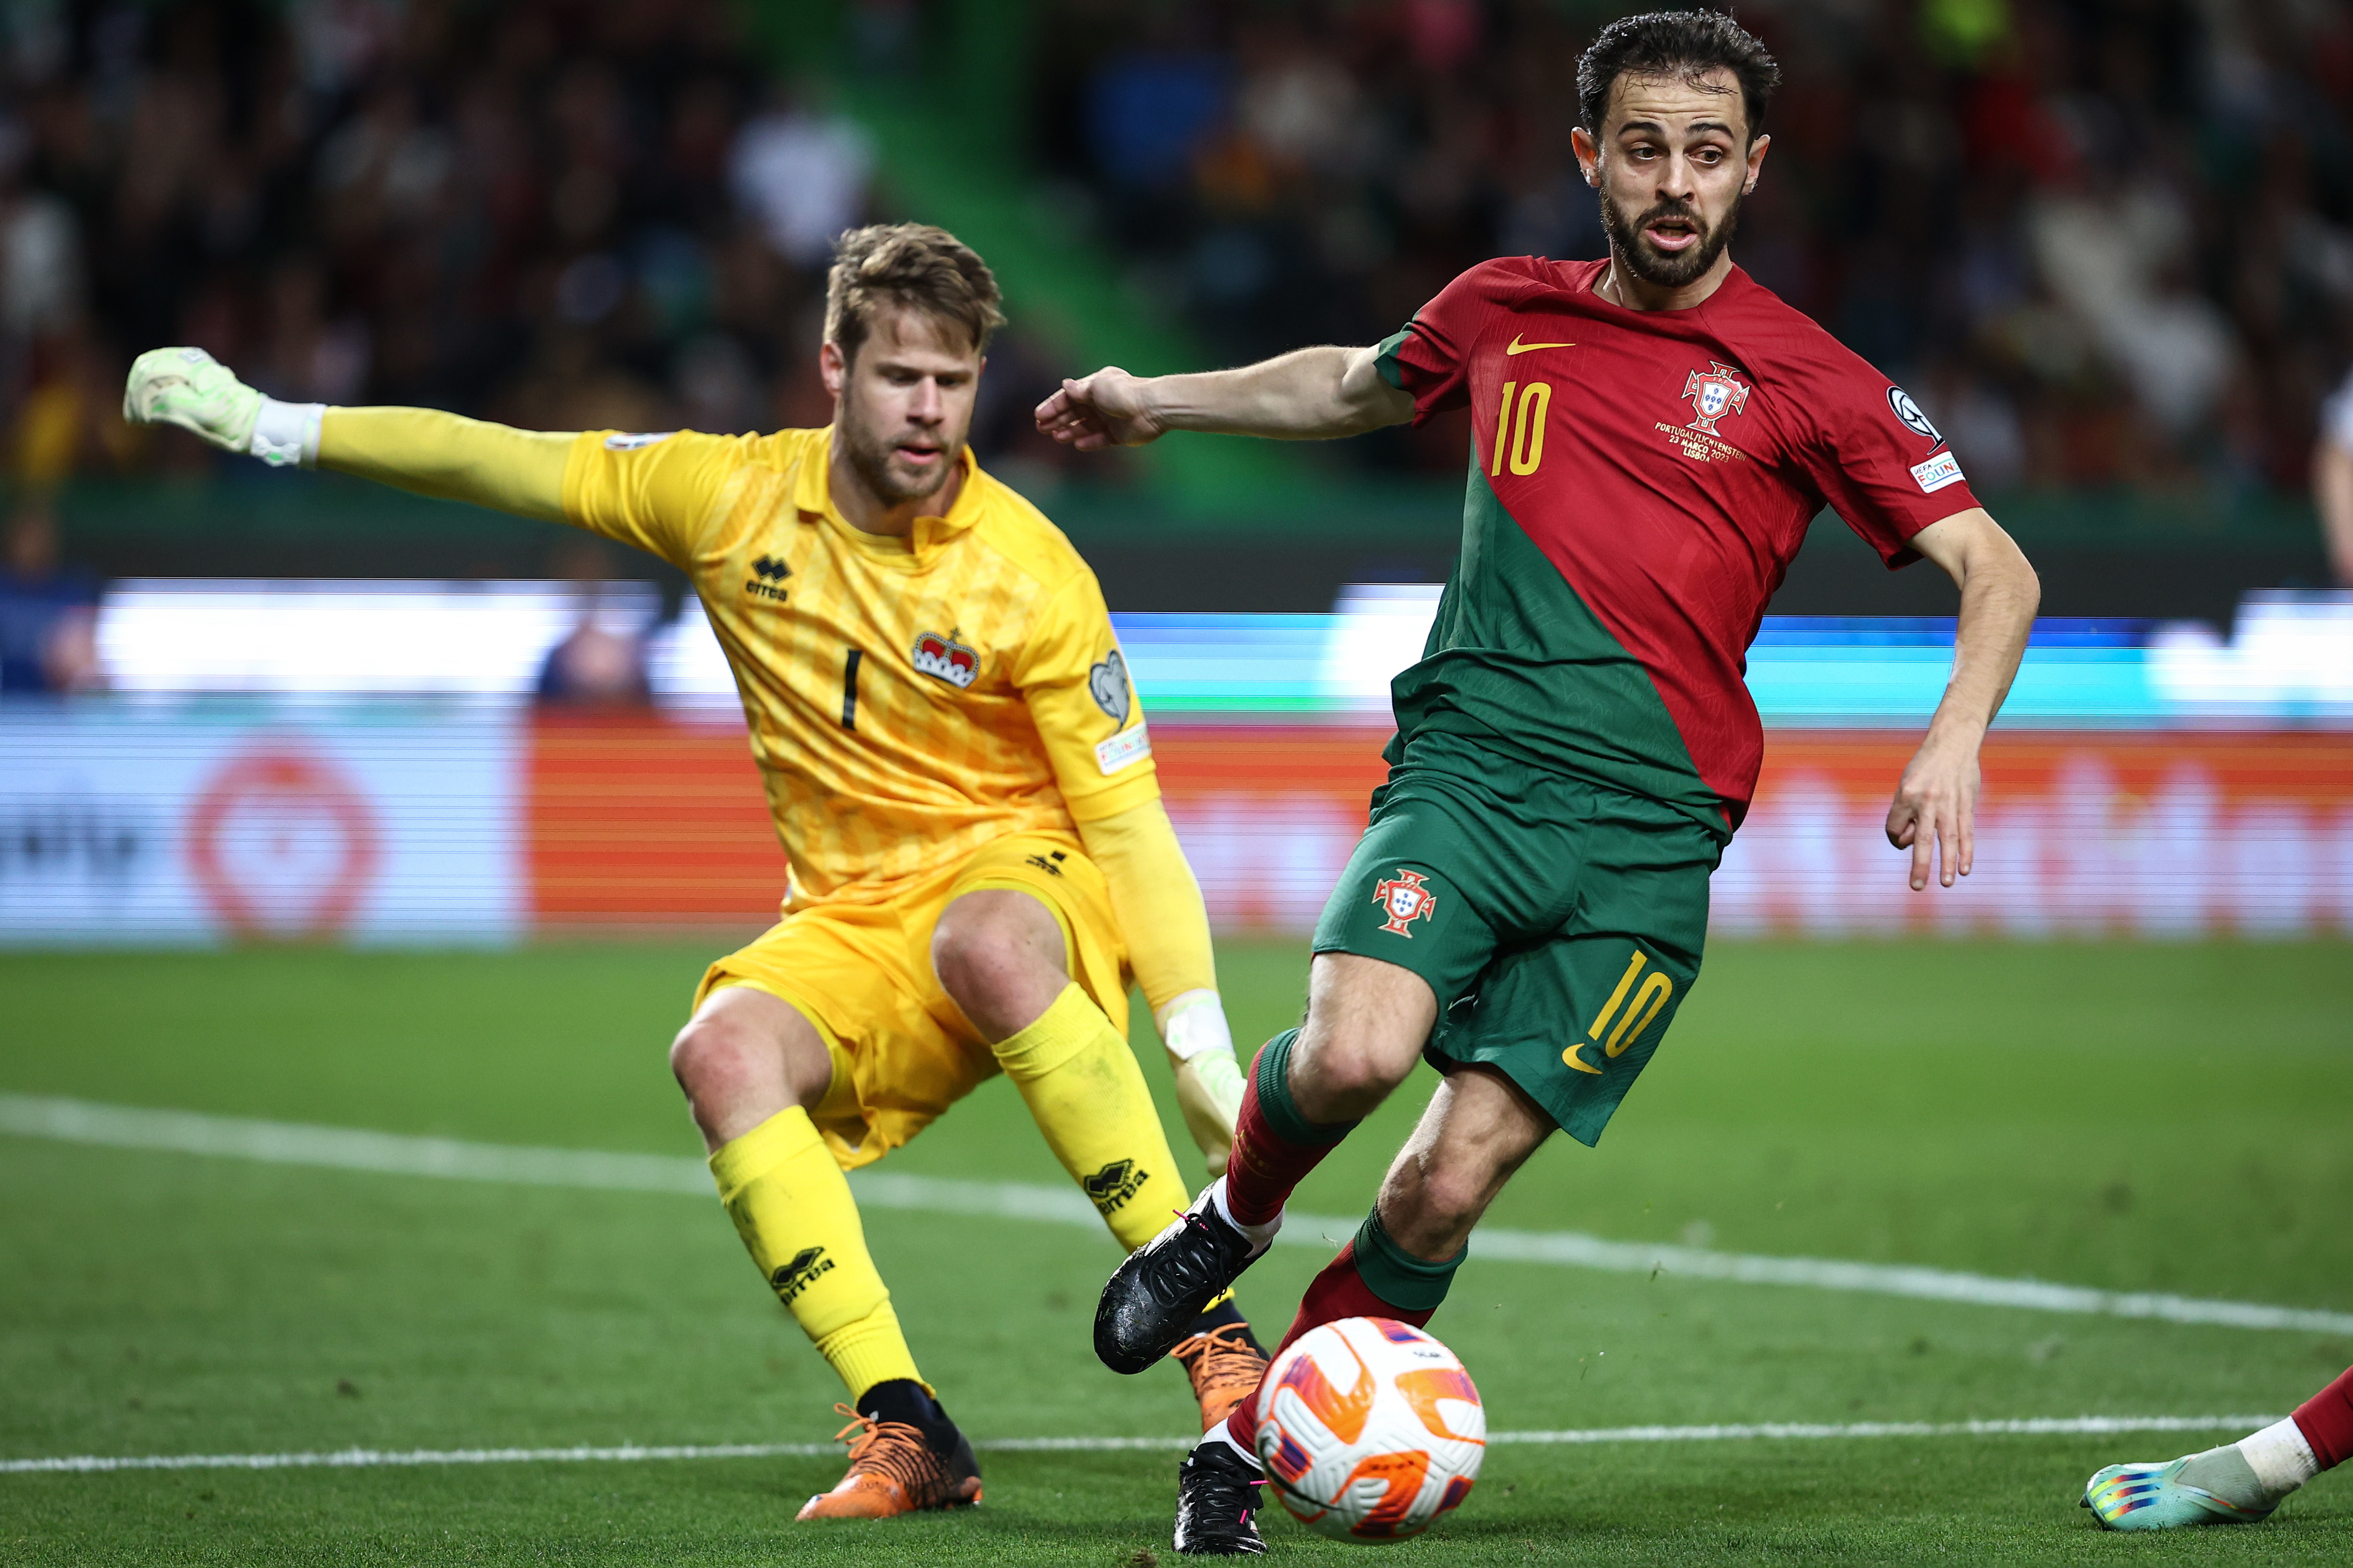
(1527, 906)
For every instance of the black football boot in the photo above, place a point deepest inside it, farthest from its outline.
(1217, 1493)
(1154, 1300)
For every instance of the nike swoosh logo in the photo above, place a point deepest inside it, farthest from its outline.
(1518, 347)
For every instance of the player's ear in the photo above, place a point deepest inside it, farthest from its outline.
(832, 368)
(1588, 154)
(1756, 149)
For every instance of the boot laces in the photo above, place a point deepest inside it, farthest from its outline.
(1222, 1361)
(892, 1449)
(1221, 1488)
(1194, 1257)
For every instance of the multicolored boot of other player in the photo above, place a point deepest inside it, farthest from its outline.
(2238, 1483)
(2217, 1487)
(899, 1465)
(1224, 1361)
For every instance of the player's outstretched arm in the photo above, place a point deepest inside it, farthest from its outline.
(1936, 803)
(1308, 395)
(418, 449)
(1158, 905)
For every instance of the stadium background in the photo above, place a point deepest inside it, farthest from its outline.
(2107, 247)
(286, 722)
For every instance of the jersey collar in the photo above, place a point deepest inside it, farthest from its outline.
(813, 500)
(1735, 280)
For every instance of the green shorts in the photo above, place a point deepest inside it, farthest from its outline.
(1559, 922)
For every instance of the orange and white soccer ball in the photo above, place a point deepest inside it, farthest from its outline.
(1370, 1429)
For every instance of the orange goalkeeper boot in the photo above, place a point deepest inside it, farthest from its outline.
(893, 1470)
(1225, 1364)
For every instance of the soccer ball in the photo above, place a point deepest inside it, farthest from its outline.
(1370, 1429)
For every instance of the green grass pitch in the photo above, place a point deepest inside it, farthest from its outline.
(2168, 1118)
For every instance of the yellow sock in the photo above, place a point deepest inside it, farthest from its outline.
(792, 1206)
(1088, 1097)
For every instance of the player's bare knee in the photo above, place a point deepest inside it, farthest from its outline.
(1335, 1078)
(972, 957)
(999, 957)
(706, 1055)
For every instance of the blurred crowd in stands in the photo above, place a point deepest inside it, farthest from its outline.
(557, 214)
(562, 215)
(2109, 244)
(2106, 242)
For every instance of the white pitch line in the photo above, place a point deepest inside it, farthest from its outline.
(396, 1154)
(373, 1459)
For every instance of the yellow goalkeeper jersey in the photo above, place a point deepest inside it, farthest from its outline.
(909, 699)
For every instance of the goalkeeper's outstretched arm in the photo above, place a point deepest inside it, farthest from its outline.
(1158, 906)
(419, 449)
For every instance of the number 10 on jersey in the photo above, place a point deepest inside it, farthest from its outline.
(1522, 438)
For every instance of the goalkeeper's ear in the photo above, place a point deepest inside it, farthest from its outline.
(189, 388)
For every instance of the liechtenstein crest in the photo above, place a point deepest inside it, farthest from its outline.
(1714, 396)
(947, 658)
(1406, 899)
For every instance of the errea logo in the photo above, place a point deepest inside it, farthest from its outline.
(1110, 1188)
(791, 1278)
(768, 574)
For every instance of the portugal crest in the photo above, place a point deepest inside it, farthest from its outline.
(1406, 899)
(948, 659)
(1713, 395)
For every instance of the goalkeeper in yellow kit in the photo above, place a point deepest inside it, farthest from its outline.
(961, 777)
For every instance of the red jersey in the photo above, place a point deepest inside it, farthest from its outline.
(1639, 482)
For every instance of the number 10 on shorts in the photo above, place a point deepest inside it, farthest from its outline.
(1631, 1017)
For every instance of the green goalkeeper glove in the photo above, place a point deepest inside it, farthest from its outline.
(1208, 1081)
(189, 388)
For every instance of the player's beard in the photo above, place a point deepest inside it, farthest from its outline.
(869, 457)
(1660, 268)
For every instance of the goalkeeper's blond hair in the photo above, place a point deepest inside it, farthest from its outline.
(908, 267)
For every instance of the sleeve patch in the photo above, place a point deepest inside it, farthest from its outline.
(1123, 750)
(1907, 412)
(1939, 471)
(630, 443)
(1107, 683)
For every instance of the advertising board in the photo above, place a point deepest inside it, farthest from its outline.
(212, 821)
(194, 824)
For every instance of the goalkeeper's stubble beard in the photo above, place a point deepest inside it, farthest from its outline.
(874, 455)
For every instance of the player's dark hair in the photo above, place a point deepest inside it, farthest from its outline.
(1687, 45)
(908, 267)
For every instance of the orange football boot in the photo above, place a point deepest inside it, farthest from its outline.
(893, 1470)
(1225, 1364)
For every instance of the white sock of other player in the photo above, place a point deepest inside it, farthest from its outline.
(2256, 1471)
(2280, 1457)
(1223, 1433)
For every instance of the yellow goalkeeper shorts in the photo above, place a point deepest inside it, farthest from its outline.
(862, 973)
